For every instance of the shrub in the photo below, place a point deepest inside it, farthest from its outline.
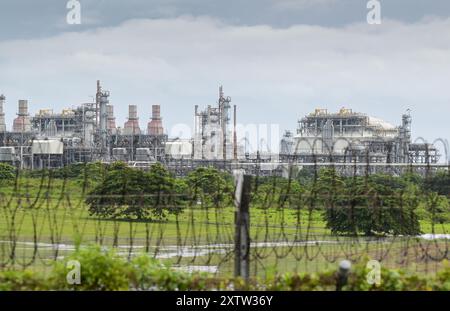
(104, 270)
(22, 280)
(393, 280)
(442, 280)
(149, 274)
(100, 270)
(7, 172)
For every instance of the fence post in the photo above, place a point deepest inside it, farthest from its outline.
(242, 225)
(342, 275)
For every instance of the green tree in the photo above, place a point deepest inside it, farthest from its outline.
(438, 208)
(163, 191)
(133, 194)
(377, 204)
(121, 189)
(209, 185)
(275, 191)
(7, 173)
(305, 176)
(91, 174)
(440, 183)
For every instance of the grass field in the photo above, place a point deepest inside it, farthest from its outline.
(41, 222)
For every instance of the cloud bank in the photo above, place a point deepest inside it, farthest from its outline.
(274, 75)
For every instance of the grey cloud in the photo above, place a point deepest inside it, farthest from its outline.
(273, 75)
(38, 19)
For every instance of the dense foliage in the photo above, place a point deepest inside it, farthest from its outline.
(375, 204)
(440, 183)
(134, 194)
(277, 192)
(209, 186)
(104, 270)
(128, 193)
(7, 172)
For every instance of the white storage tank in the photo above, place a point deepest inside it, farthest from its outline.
(179, 149)
(51, 146)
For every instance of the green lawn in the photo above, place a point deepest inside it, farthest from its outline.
(39, 212)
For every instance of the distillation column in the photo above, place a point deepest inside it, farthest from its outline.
(224, 108)
(2, 114)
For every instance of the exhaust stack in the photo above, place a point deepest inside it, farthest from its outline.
(131, 127)
(155, 125)
(22, 123)
(111, 120)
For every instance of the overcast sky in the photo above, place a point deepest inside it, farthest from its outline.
(278, 60)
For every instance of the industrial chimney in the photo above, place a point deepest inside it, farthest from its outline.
(155, 125)
(22, 123)
(131, 127)
(2, 114)
(111, 120)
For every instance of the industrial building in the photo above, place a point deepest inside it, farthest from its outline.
(89, 132)
(213, 138)
(81, 134)
(348, 136)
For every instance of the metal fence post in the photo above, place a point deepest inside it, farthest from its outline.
(342, 274)
(242, 225)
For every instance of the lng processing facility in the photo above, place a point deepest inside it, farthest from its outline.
(89, 132)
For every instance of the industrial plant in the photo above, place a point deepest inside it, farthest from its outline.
(89, 133)
(348, 136)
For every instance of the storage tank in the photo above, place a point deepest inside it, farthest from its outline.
(51, 146)
(179, 149)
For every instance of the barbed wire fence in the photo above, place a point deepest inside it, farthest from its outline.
(45, 218)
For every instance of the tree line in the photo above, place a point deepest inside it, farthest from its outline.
(370, 205)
